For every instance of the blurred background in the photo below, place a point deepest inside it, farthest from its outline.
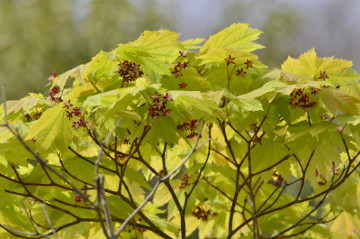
(39, 37)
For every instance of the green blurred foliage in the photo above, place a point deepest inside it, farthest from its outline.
(280, 30)
(39, 37)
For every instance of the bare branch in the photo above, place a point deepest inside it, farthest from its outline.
(106, 207)
(30, 219)
(161, 180)
(99, 185)
(49, 221)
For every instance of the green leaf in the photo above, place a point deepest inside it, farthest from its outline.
(72, 74)
(26, 103)
(248, 104)
(164, 129)
(248, 101)
(238, 36)
(345, 225)
(109, 98)
(303, 129)
(137, 177)
(53, 128)
(101, 64)
(13, 151)
(119, 207)
(143, 56)
(162, 44)
(309, 64)
(190, 76)
(336, 101)
(267, 154)
(326, 153)
(218, 55)
(153, 50)
(193, 104)
(190, 44)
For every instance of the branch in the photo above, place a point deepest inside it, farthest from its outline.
(49, 221)
(30, 219)
(311, 224)
(302, 219)
(99, 185)
(161, 180)
(89, 161)
(187, 195)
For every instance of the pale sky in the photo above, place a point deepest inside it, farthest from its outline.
(331, 26)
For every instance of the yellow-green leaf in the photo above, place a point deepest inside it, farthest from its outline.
(53, 128)
(238, 36)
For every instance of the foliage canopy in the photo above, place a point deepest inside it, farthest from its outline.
(200, 141)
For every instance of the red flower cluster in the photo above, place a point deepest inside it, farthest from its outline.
(184, 182)
(248, 64)
(240, 72)
(189, 127)
(202, 213)
(177, 72)
(183, 53)
(28, 117)
(78, 197)
(323, 75)
(321, 177)
(301, 98)
(230, 60)
(158, 107)
(276, 179)
(74, 112)
(52, 94)
(52, 78)
(35, 116)
(129, 71)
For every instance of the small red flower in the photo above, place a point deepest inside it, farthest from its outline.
(323, 75)
(183, 53)
(248, 64)
(55, 90)
(67, 104)
(78, 198)
(37, 115)
(28, 117)
(183, 85)
(51, 78)
(76, 111)
(168, 97)
(240, 72)
(69, 114)
(76, 125)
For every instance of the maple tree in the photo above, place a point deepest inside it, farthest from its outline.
(166, 139)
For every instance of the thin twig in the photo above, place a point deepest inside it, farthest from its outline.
(106, 207)
(49, 221)
(27, 214)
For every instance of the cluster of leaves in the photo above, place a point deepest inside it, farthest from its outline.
(236, 151)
